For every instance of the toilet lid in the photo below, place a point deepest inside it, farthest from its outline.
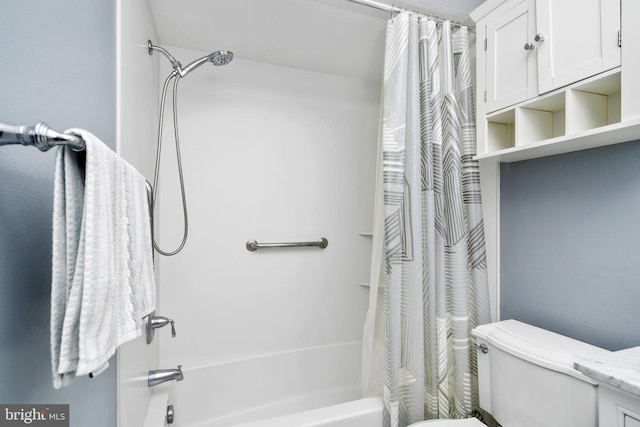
(467, 422)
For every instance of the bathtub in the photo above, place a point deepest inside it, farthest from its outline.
(358, 413)
(310, 387)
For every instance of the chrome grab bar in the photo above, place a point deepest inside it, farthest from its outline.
(39, 135)
(253, 245)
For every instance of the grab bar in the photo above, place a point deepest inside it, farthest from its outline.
(253, 245)
(39, 135)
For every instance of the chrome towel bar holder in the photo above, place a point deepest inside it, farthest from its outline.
(39, 135)
(42, 136)
(253, 245)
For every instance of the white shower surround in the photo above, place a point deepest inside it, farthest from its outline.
(271, 153)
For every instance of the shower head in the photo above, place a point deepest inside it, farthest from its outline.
(220, 57)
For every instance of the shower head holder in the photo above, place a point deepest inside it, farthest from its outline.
(177, 66)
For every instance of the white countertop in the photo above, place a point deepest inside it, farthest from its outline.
(620, 369)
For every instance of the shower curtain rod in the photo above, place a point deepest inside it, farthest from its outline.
(396, 9)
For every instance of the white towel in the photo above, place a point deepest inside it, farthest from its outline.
(102, 272)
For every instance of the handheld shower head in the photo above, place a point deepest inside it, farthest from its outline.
(220, 57)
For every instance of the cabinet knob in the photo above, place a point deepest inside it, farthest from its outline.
(539, 38)
(529, 46)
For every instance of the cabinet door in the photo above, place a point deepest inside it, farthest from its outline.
(580, 39)
(511, 74)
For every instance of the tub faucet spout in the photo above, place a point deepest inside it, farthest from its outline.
(158, 376)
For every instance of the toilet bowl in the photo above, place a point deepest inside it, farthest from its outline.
(467, 422)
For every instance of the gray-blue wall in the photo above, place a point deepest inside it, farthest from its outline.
(570, 244)
(58, 65)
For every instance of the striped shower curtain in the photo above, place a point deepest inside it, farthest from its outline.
(429, 278)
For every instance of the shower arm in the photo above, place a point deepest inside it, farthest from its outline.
(177, 66)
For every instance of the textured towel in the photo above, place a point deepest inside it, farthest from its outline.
(102, 272)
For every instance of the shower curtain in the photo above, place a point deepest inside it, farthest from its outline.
(428, 276)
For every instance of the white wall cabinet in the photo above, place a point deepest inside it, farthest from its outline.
(575, 39)
(511, 69)
(535, 46)
(600, 110)
(551, 76)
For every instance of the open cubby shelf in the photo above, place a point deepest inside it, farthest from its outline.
(583, 115)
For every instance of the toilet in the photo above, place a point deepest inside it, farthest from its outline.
(526, 378)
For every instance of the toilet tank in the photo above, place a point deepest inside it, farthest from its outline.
(526, 378)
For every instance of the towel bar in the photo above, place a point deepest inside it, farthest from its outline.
(39, 135)
(44, 138)
(253, 245)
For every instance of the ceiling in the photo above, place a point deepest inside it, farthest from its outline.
(455, 10)
(330, 36)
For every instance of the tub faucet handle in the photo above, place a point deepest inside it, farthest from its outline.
(154, 322)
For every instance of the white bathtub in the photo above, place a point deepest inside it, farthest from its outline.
(358, 413)
(309, 387)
